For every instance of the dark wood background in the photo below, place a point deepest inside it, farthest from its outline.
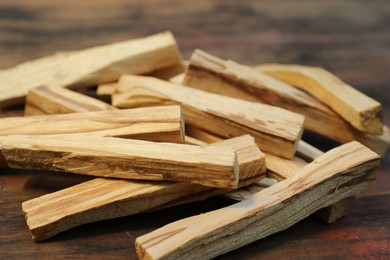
(349, 38)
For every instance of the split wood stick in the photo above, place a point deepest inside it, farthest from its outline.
(340, 173)
(178, 79)
(363, 112)
(89, 67)
(101, 198)
(168, 72)
(276, 130)
(46, 100)
(225, 77)
(335, 211)
(123, 158)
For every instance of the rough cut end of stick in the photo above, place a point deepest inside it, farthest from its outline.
(45, 100)
(361, 111)
(102, 198)
(339, 173)
(276, 130)
(123, 158)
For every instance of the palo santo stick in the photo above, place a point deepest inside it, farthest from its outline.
(361, 111)
(338, 174)
(89, 67)
(280, 169)
(104, 91)
(163, 124)
(276, 130)
(45, 100)
(101, 199)
(212, 74)
(123, 158)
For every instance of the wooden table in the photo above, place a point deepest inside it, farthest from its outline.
(350, 38)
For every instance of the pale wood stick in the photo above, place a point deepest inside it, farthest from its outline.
(89, 67)
(154, 124)
(338, 174)
(104, 91)
(280, 169)
(123, 158)
(209, 73)
(159, 124)
(202, 134)
(168, 72)
(194, 141)
(363, 112)
(48, 100)
(178, 79)
(101, 198)
(276, 130)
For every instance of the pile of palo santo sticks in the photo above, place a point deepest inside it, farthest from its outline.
(178, 132)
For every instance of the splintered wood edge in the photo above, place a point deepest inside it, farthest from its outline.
(337, 174)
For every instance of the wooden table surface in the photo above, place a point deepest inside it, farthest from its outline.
(349, 38)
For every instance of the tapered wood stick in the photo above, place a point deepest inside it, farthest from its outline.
(338, 174)
(89, 67)
(104, 91)
(209, 73)
(45, 100)
(123, 158)
(101, 199)
(276, 130)
(363, 112)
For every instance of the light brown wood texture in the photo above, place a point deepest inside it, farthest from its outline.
(159, 124)
(45, 100)
(163, 123)
(226, 77)
(104, 91)
(340, 173)
(102, 198)
(276, 130)
(123, 158)
(89, 67)
(363, 112)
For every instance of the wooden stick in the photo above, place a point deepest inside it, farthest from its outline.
(101, 199)
(89, 67)
(226, 77)
(276, 130)
(123, 158)
(363, 112)
(163, 124)
(104, 91)
(338, 174)
(45, 100)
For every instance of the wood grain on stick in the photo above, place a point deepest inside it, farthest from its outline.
(101, 198)
(226, 77)
(276, 130)
(89, 67)
(45, 100)
(361, 111)
(340, 173)
(123, 158)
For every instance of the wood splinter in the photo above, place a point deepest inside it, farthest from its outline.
(101, 198)
(339, 173)
(123, 158)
